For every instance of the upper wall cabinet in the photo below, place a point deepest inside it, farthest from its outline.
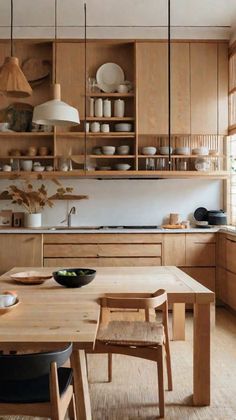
(152, 87)
(203, 86)
(180, 88)
(199, 88)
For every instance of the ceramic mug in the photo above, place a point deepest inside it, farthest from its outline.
(122, 88)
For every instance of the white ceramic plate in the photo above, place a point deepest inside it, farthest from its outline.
(109, 76)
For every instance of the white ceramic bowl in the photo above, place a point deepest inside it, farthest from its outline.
(123, 150)
(122, 166)
(164, 150)
(123, 127)
(38, 168)
(108, 150)
(201, 151)
(7, 300)
(49, 168)
(149, 150)
(182, 151)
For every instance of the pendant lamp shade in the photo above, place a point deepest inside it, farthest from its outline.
(13, 82)
(55, 112)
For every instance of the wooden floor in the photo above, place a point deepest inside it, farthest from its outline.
(133, 392)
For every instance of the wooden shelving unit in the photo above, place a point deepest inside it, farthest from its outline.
(145, 108)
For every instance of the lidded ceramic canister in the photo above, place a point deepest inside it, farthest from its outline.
(107, 108)
(119, 108)
(98, 107)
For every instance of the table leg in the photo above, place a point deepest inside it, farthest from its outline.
(82, 397)
(201, 354)
(178, 321)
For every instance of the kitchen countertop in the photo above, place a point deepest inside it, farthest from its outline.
(51, 230)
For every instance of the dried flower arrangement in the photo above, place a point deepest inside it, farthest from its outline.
(35, 199)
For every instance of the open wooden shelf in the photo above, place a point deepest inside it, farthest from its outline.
(183, 156)
(25, 134)
(111, 156)
(111, 134)
(110, 119)
(109, 95)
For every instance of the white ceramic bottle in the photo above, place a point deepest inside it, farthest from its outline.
(91, 107)
(107, 108)
(119, 108)
(98, 108)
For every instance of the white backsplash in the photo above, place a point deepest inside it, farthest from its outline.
(130, 202)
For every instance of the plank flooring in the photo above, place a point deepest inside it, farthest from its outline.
(133, 393)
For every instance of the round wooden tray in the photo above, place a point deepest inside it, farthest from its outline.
(30, 277)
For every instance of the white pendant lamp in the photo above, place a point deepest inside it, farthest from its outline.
(13, 82)
(55, 111)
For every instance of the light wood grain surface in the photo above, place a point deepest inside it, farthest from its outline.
(49, 313)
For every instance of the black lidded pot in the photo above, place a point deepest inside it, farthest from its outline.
(217, 217)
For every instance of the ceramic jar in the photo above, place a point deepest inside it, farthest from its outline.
(98, 107)
(33, 220)
(95, 127)
(119, 108)
(107, 108)
(91, 107)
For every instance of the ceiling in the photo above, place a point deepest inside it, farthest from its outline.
(105, 15)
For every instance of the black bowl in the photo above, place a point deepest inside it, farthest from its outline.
(83, 276)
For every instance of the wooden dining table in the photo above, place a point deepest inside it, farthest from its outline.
(50, 315)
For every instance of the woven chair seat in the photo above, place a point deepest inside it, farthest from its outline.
(134, 333)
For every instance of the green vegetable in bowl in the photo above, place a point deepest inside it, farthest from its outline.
(66, 273)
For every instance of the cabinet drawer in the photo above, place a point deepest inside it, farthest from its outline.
(70, 262)
(231, 254)
(200, 250)
(107, 238)
(129, 250)
(70, 250)
(129, 262)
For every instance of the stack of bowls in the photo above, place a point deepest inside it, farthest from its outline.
(108, 150)
(182, 151)
(149, 150)
(164, 150)
(123, 150)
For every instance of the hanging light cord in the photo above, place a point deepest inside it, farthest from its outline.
(169, 87)
(85, 78)
(55, 37)
(11, 28)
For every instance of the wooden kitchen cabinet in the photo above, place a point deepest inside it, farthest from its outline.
(200, 250)
(231, 253)
(203, 87)
(230, 292)
(20, 250)
(174, 249)
(180, 88)
(152, 87)
(204, 275)
(101, 250)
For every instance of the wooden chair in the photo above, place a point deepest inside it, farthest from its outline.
(143, 339)
(36, 385)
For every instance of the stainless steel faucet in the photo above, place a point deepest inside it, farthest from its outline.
(68, 217)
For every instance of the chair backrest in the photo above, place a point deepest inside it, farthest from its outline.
(134, 300)
(29, 366)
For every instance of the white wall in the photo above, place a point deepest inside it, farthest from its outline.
(131, 202)
(119, 19)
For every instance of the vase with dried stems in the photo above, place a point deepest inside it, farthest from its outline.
(35, 199)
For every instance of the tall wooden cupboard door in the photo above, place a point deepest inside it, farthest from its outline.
(180, 88)
(20, 250)
(152, 87)
(203, 87)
